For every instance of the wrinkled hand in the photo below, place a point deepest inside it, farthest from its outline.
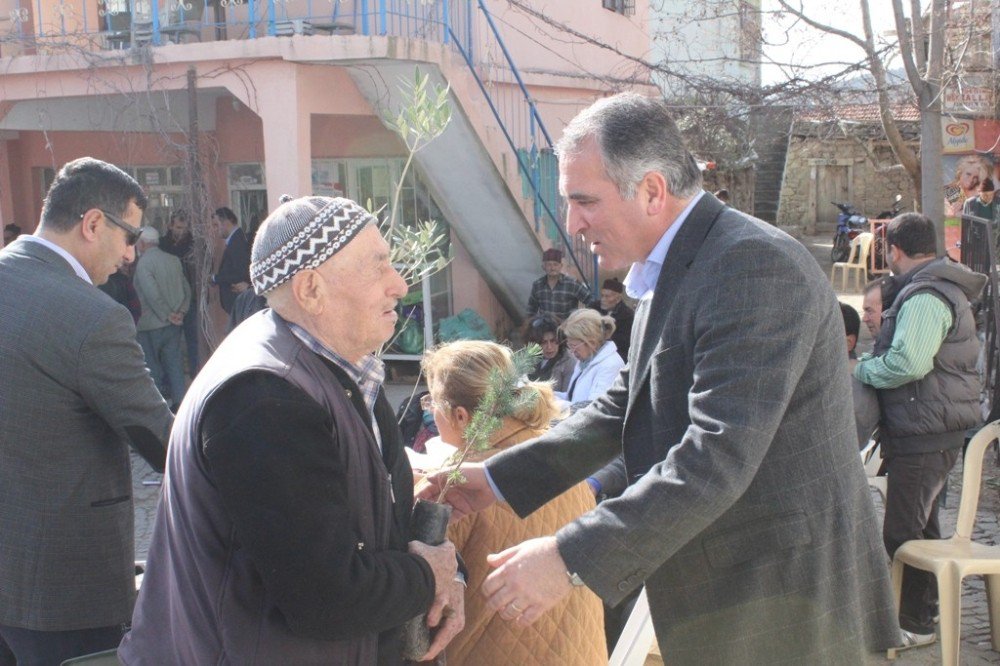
(465, 498)
(530, 578)
(450, 621)
(444, 564)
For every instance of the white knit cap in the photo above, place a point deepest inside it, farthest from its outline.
(302, 234)
(149, 235)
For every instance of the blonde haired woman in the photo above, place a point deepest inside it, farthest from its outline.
(597, 359)
(458, 376)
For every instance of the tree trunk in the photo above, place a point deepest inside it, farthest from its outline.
(931, 188)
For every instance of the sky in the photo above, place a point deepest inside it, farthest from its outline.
(805, 46)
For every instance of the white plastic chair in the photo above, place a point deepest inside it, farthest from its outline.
(637, 637)
(857, 261)
(951, 560)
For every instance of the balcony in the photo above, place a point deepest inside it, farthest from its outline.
(56, 26)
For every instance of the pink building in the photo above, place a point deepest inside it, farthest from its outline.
(288, 96)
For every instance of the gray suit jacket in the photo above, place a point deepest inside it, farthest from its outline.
(74, 390)
(748, 516)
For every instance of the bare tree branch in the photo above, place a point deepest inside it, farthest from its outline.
(910, 49)
(812, 23)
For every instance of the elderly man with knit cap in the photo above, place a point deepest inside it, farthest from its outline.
(282, 533)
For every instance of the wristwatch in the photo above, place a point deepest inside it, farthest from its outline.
(575, 579)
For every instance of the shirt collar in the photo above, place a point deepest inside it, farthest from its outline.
(370, 370)
(231, 234)
(73, 262)
(643, 276)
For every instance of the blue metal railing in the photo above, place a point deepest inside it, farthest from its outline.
(467, 26)
(517, 114)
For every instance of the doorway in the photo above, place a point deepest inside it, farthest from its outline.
(832, 184)
(248, 195)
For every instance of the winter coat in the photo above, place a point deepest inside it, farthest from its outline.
(572, 632)
(593, 377)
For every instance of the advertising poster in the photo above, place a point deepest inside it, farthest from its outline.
(963, 174)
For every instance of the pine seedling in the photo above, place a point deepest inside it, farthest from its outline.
(500, 401)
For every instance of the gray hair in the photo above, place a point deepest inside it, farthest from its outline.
(635, 135)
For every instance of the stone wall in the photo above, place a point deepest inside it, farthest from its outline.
(805, 203)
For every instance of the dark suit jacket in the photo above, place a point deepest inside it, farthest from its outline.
(74, 391)
(623, 316)
(748, 516)
(234, 268)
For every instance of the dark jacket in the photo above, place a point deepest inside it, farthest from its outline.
(623, 316)
(244, 305)
(934, 412)
(234, 268)
(281, 535)
(558, 370)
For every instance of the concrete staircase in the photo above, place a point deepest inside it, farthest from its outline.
(770, 127)
(469, 173)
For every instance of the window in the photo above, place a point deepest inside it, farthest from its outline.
(373, 181)
(624, 7)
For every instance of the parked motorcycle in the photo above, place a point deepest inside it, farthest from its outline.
(850, 223)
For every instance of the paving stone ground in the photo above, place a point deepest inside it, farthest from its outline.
(975, 649)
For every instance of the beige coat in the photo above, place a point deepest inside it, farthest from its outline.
(570, 633)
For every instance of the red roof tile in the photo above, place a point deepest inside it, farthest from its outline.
(859, 113)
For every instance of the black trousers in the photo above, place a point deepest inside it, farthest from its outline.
(27, 647)
(911, 512)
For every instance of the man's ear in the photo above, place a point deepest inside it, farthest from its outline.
(653, 192)
(309, 289)
(89, 223)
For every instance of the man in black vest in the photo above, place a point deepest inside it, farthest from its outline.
(924, 367)
(283, 535)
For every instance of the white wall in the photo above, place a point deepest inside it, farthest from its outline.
(714, 38)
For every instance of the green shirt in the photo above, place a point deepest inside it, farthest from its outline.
(922, 323)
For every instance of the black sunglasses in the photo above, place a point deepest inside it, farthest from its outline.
(131, 233)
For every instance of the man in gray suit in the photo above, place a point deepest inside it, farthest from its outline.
(747, 517)
(74, 392)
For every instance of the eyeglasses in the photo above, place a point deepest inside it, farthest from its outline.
(428, 404)
(131, 233)
(573, 344)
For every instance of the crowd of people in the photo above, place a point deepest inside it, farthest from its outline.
(702, 447)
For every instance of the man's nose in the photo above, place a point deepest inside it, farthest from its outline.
(129, 254)
(397, 287)
(574, 222)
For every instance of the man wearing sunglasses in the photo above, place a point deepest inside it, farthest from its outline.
(75, 394)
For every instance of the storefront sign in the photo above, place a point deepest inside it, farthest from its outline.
(971, 96)
(957, 136)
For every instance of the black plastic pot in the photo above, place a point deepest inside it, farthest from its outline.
(428, 524)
